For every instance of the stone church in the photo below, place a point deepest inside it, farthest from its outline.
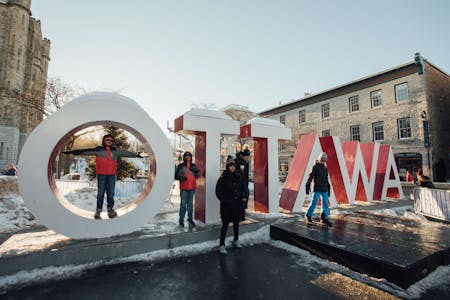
(24, 58)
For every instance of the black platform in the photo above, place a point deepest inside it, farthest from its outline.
(400, 250)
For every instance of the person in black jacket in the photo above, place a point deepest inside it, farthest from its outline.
(319, 174)
(242, 166)
(232, 194)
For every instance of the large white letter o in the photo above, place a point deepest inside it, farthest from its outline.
(91, 108)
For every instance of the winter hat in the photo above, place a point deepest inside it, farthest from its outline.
(231, 163)
(230, 158)
(322, 157)
(107, 136)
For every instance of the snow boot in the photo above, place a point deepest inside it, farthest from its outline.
(97, 214)
(191, 223)
(308, 219)
(181, 223)
(222, 250)
(236, 244)
(112, 213)
(324, 220)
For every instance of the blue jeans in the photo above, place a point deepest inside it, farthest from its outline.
(187, 199)
(312, 205)
(105, 183)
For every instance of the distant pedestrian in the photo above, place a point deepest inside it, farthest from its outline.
(232, 195)
(409, 176)
(242, 165)
(11, 170)
(106, 157)
(424, 181)
(322, 187)
(187, 173)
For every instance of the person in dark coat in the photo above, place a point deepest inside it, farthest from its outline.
(242, 166)
(232, 195)
(187, 173)
(10, 170)
(106, 157)
(319, 174)
(424, 181)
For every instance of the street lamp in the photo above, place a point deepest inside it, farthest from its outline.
(426, 137)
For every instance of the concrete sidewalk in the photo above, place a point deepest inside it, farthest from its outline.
(39, 247)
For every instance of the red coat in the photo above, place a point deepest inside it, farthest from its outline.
(187, 173)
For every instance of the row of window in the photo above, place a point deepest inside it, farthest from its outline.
(403, 130)
(376, 100)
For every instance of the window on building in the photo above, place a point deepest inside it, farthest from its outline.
(283, 119)
(302, 116)
(325, 110)
(355, 133)
(326, 132)
(378, 131)
(376, 98)
(353, 103)
(404, 128)
(401, 92)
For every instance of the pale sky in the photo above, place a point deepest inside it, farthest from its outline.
(170, 55)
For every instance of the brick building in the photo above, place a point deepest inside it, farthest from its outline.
(406, 106)
(24, 58)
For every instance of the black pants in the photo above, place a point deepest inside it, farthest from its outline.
(223, 232)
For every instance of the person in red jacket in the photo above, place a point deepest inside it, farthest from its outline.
(187, 173)
(106, 157)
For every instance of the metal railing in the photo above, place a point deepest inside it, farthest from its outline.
(432, 203)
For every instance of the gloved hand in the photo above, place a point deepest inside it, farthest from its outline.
(329, 193)
(183, 178)
(308, 189)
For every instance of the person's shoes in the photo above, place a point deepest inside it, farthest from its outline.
(222, 250)
(97, 214)
(237, 244)
(181, 223)
(308, 219)
(325, 220)
(112, 213)
(191, 223)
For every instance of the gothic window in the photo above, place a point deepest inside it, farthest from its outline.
(326, 132)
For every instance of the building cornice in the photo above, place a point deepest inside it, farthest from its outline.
(379, 78)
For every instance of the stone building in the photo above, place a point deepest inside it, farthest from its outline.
(406, 106)
(24, 58)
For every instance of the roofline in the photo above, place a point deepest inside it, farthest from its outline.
(386, 75)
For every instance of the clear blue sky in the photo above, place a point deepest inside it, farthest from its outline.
(169, 55)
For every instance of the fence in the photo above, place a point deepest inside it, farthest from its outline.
(124, 189)
(432, 202)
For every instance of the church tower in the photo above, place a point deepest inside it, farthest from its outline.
(24, 58)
